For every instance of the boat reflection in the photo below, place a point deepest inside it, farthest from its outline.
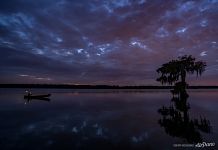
(177, 122)
(29, 97)
(29, 100)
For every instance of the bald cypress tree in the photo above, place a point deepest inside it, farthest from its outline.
(175, 118)
(175, 71)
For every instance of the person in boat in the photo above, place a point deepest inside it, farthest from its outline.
(29, 93)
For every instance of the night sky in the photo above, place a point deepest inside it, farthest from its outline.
(104, 41)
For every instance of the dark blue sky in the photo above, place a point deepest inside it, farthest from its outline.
(104, 41)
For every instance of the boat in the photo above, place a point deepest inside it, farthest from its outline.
(30, 96)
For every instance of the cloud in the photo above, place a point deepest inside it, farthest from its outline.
(93, 41)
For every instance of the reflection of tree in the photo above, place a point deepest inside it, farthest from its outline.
(177, 123)
(175, 118)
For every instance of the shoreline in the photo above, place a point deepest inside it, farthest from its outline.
(64, 86)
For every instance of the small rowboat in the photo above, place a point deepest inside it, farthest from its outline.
(36, 96)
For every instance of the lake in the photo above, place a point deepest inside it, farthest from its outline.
(105, 119)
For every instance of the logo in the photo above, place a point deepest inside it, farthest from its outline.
(204, 144)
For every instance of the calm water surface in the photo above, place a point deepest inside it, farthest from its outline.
(98, 119)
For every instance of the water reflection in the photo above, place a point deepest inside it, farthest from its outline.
(29, 100)
(176, 119)
(95, 120)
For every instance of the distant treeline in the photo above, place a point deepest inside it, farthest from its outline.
(66, 86)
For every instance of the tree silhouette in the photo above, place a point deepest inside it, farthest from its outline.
(176, 70)
(175, 118)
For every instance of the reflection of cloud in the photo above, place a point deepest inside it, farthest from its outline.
(84, 124)
(140, 138)
(60, 125)
(75, 130)
(99, 132)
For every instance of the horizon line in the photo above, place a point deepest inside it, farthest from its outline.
(90, 86)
